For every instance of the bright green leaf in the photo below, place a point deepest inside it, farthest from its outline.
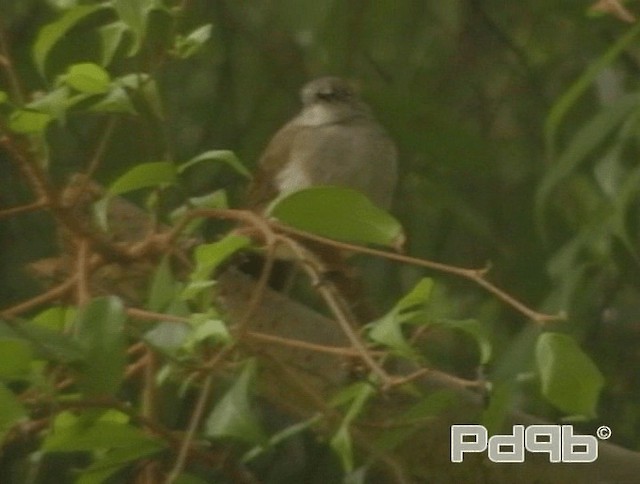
(100, 330)
(233, 416)
(569, 379)
(189, 45)
(117, 100)
(16, 356)
(50, 34)
(339, 213)
(209, 256)
(88, 78)
(28, 122)
(145, 175)
(224, 156)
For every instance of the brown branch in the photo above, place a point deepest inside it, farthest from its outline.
(475, 275)
(52, 294)
(31, 207)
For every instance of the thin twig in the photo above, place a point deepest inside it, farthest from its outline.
(31, 207)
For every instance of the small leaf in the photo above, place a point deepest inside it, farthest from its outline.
(189, 45)
(88, 78)
(135, 14)
(339, 213)
(100, 330)
(145, 175)
(50, 34)
(570, 380)
(4, 97)
(388, 329)
(209, 256)
(232, 416)
(28, 122)
(224, 156)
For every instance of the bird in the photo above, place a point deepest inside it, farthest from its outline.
(334, 140)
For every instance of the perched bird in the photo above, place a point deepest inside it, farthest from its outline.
(334, 140)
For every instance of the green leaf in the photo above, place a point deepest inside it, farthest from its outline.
(189, 45)
(388, 329)
(134, 14)
(11, 411)
(88, 78)
(100, 330)
(206, 327)
(50, 344)
(339, 213)
(224, 156)
(569, 99)
(117, 100)
(145, 175)
(164, 287)
(233, 416)
(583, 144)
(50, 34)
(72, 434)
(342, 445)
(114, 460)
(16, 356)
(570, 380)
(111, 36)
(24, 121)
(4, 97)
(209, 256)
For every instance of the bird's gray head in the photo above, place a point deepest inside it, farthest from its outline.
(330, 90)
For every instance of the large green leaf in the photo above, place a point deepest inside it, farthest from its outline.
(339, 213)
(100, 330)
(570, 380)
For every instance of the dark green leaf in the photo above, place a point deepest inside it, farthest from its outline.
(100, 330)
(339, 213)
(50, 34)
(570, 380)
(50, 344)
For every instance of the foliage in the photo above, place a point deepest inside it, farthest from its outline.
(123, 129)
